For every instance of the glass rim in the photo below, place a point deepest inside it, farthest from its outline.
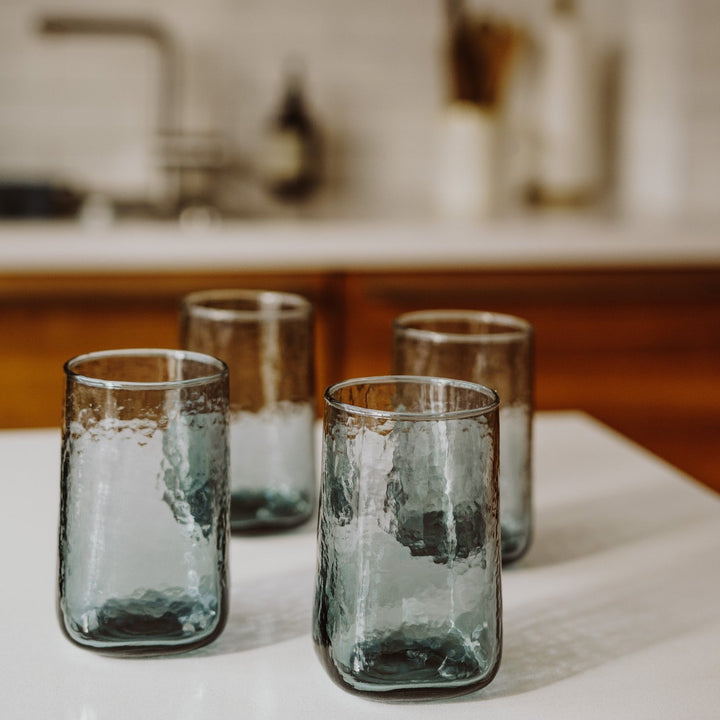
(482, 390)
(196, 303)
(217, 369)
(512, 326)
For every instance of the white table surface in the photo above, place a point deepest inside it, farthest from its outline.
(614, 613)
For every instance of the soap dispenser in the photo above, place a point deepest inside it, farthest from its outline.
(292, 156)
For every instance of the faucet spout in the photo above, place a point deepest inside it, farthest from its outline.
(168, 126)
(130, 27)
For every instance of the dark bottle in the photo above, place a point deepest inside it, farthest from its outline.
(292, 162)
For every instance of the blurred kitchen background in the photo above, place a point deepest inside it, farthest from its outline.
(82, 107)
(551, 159)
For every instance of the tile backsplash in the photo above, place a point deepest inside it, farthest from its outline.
(84, 110)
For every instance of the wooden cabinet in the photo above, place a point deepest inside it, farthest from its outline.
(46, 320)
(638, 349)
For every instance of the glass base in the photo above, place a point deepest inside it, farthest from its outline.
(514, 545)
(154, 624)
(398, 668)
(267, 510)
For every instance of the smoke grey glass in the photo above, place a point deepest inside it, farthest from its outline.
(143, 530)
(267, 340)
(495, 350)
(408, 597)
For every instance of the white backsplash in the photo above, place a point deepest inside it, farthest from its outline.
(84, 109)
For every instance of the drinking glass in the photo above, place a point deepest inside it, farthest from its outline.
(144, 501)
(267, 340)
(495, 350)
(408, 597)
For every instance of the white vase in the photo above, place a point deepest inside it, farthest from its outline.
(465, 183)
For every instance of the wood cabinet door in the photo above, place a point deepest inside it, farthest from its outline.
(639, 350)
(44, 321)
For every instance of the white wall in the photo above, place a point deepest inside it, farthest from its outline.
(703, 88)
(85, 110)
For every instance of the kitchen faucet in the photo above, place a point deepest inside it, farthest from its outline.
(168, 126)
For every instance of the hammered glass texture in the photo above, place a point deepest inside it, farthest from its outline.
(495, 350)
(408, 597)
(267, 340)
(144, 501)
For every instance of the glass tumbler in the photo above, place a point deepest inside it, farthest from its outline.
(408, 597)
(267, 340)
(144, 501)
(495, 350)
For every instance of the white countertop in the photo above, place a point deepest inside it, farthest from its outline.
(613, 613)
(334, 246)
